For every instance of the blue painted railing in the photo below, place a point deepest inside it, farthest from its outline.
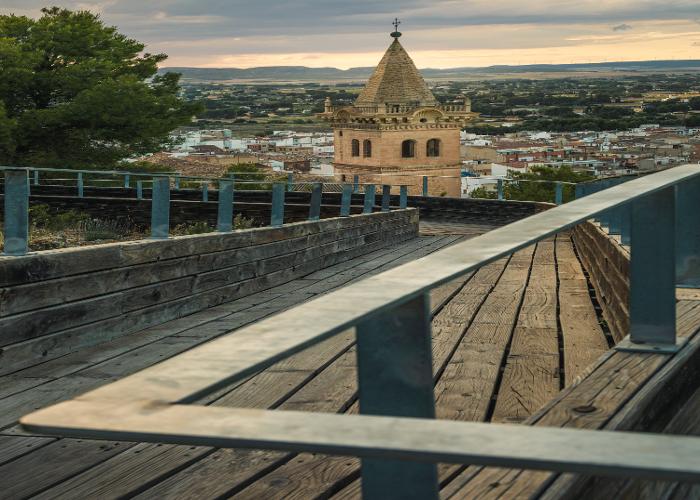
(396, 433)
(17, 191)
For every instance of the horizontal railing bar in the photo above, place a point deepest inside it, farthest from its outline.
(210, 366)
(590, 452)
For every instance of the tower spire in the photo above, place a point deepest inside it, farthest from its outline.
(396, 32)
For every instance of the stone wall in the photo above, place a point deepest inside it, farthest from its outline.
(57, 301)
(607, 263)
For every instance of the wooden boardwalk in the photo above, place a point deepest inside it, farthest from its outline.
(506, 339)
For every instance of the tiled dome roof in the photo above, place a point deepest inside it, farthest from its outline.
(396, 80)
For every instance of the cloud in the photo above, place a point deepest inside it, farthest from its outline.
(622, 27)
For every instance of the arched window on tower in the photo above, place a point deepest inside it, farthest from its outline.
(408, 148)
(433, 147)
(367, 148)
(355, 147)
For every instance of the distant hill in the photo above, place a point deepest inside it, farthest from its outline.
(303, 73)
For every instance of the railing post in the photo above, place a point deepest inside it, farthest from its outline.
(499, 185)
(604, 217)
(277, 209)
(80, 185)
(403, 197)
(395, 376)
(290, 182)
(126, 180)
(688, 233)
(652, 302)
(315, 205)
(386, 198)
(177, 182)
(139, 189)
(36, 177)
(16, 217)
(369, 199)
(558, 193)
(425, 185)
(160, 208)
(615, 214)
(205, 191)
(225, 215)
(579, 191)
(345, 200)
(355, 183)
(625, 223)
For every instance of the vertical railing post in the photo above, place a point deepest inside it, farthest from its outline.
(16, 215)
(386, 198)
(425, 185)
(403, 197)
(126, 180)
(277, 209)
(394, 369)
(225, 215)
(615, 214)
(205, 191)
(139, 189)
(688, 233)
(315, 205)
(80, 185)
(604, 217)
(558, 193)
(355, 183)
(652, 302)
(499, 187)
(290, 182)
(160, 208)
(177, 182)
(36, 177)
(625, 223)
(345, 200)
(369, 199)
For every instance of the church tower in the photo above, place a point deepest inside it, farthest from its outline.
(396, 131)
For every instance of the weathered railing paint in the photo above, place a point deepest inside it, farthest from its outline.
(403, 197)
(225, 208)
(277, 209)
(425, 185)
(345, 200)
(369, 199)
(388, 344)
(16, 214)
(386, 198)
(160, 208)
(315, 205)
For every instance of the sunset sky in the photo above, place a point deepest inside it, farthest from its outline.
(437, 33)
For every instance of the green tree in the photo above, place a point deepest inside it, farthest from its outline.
(544, 191)
(77, 93)
(248, 177)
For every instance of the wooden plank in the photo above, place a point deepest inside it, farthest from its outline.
(531, 373)
(588, 404)
(583, 338)
(12, 447)
(266, 389)
(309, 474)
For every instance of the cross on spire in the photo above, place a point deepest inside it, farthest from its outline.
(396, 32)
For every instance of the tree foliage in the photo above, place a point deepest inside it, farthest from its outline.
(77, 93)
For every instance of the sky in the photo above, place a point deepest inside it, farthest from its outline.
(437, 33)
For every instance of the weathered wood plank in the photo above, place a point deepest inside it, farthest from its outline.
(583, 338)
(589, 404)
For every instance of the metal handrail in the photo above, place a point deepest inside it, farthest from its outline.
(391, 315)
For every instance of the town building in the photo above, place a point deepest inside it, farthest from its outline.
(396, 131)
